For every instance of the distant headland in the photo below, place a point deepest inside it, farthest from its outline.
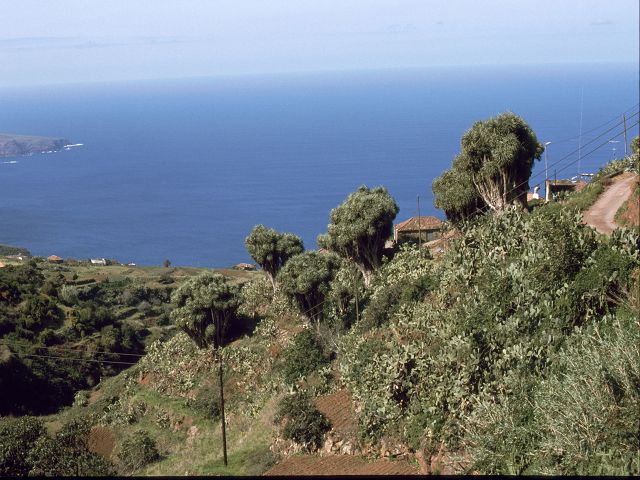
(15, 145)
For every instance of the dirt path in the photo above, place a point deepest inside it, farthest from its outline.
(340, 465)
(600, 214)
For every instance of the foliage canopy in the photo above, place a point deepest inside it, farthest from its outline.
(359, 228)
(306, 279)
(496, 159)
(271, 249)
(204, 306)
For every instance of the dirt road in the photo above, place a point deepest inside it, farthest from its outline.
(600, 214)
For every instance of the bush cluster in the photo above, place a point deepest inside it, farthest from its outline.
(26, 449)
(303, 422)
(137, 451)
(509, 294)
(303, 357)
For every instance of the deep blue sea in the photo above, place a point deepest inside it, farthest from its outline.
(183, 169)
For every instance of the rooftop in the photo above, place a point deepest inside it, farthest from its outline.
(419, 223)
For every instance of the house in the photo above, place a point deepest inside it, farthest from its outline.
(244, 266)
(98, 261)
(54, 259)
(535, 195)
(426, 228)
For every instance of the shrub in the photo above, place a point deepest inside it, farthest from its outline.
(40, 312)
(303, 423)
(69, 295)
(137, 451)
(588, 408)
(404, 280)
(17, 436)
(166, 278)
(302, 357)
(67, 453)
(207, 401)
(81, 398)
(257, 295)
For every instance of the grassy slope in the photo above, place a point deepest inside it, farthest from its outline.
(628, 214)
(249, 438)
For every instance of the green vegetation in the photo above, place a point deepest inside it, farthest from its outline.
(303, 423)
(514, 352)
(137, 451)
(635, 147)
(271, 249)
(27, 449)
(602, 179)
(360, 227)
(303, 357)
(494, 165)
(633, 204)
(306, 279)
(6, 250)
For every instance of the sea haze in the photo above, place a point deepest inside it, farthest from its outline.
(184, 169)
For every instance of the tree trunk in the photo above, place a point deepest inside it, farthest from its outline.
(367, 275)
(272, 278)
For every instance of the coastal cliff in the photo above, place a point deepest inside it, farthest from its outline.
(15, 145)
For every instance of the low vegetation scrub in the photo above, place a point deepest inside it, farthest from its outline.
(303, 357)
(26, 449)
(510, 294)
(303, 422)
(17, 436)
(137, 451)
(582, 420)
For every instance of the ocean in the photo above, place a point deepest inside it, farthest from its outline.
(183, 169)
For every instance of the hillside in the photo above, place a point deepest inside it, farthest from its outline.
(514, 351)
(15, 145)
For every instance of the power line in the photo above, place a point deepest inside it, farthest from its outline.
(598, 127)
(73, 359)
(58, 347)
(486, 208)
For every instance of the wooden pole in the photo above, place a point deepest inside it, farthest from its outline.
(221, 383)
(624, 120)
(355, 285)
(419, 226)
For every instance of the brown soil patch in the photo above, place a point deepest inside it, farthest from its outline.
(338, 408)
(94, 396)
(101, 441)
(185, 421)
(341, 465)
(145, 379)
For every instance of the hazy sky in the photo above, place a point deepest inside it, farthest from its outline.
(46, 41)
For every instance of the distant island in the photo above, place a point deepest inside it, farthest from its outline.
(14, 145)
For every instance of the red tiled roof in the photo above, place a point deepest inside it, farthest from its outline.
(53, 258)
(419, 223)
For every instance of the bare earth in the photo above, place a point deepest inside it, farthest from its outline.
(600, 214)
(340, 465)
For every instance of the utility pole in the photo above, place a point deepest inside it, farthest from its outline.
(219, 336)
(546, 168)
(355, 285)
(580, 136)
(419, 227)
(624, 121)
